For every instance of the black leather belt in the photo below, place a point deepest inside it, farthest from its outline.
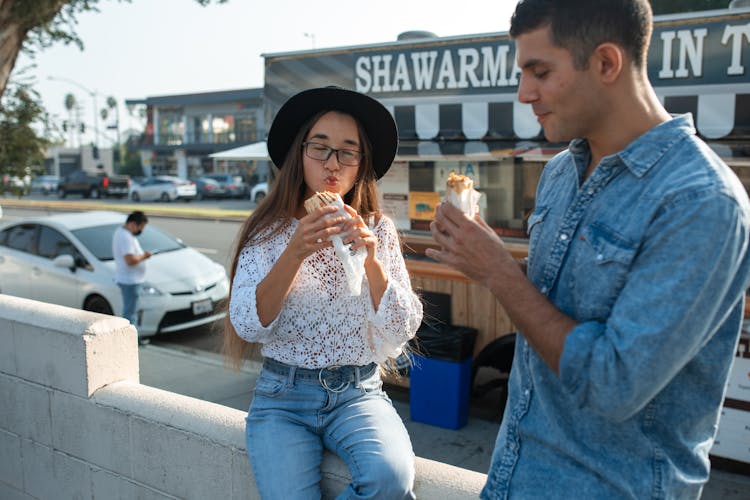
(332, 378)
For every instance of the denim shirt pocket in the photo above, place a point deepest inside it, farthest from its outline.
(602, 263)
(536, 217)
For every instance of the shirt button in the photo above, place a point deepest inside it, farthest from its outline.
(600, 257)
(543, 289)
(526, 392)
(591, 191)
(563, 237)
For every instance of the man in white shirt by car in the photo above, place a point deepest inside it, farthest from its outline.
(130, 266)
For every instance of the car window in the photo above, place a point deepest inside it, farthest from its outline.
(97, 239)
(52, 244)
(21, 237)
(157, 241)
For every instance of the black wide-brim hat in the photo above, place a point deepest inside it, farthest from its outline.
(375, 119)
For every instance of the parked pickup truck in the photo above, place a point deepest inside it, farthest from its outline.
(93, 185)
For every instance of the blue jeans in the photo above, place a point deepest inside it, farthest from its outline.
(293, 417)
(130, 301)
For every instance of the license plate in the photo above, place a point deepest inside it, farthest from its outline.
(202, 307)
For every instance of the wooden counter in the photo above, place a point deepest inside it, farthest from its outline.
(471, 304)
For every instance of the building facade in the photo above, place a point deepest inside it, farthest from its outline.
(61, 161)
(454, 100)
(182, 130)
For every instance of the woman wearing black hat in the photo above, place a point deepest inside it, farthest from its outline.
(321, 342)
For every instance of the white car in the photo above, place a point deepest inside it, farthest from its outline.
(66, 259)
(259, 192)
(45, 184)
(163, 188)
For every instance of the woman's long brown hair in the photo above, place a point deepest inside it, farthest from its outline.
(278, 209)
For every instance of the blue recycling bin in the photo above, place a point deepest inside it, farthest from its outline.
(440, 376)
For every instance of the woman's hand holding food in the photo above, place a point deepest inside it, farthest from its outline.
(359, 235)
(355, 232)
(313, 231)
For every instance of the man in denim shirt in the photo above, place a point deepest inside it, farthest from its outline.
(630, 309)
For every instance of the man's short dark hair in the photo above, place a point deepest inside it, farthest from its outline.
(582, 25)
(138, 217)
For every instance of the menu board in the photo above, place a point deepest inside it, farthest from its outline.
(394, 192)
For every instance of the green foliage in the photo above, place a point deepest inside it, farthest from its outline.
(674, 6)
(21, 149)
(131, 164)
(47, 22)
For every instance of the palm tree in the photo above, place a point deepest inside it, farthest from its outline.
(70, 105)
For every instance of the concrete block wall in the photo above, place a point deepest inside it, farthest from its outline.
(76, 423)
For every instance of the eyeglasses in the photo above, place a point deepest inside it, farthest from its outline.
(346, 157)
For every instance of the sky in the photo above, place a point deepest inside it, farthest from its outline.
(149, 48)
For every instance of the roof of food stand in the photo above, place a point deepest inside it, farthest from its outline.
(254, 151)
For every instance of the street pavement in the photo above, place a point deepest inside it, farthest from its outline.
(202, 375)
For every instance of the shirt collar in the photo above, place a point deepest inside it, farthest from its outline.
(641, 154)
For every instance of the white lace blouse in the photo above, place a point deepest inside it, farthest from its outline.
(320, 323)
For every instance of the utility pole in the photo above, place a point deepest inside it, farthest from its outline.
(311, 36)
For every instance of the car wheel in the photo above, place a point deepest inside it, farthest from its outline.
(259, 196)
(61, 193)
(94, 193)
(164, 197)
(135, 197)
(97, 304)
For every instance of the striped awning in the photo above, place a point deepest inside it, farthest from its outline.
(453, 150)
(498, 117)
(502, 117)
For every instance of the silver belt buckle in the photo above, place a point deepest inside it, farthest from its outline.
(323, 382)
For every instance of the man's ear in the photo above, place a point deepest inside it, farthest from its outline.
(608, 60)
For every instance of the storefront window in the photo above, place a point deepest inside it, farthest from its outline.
(507, 187)
(164, 165)
(199, 129)
(223, 128)
(171, 128)
(246, 128)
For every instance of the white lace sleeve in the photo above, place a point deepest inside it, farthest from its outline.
(400, 311)
(253, 265)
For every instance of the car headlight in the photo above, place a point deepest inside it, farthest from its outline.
(149, 290)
